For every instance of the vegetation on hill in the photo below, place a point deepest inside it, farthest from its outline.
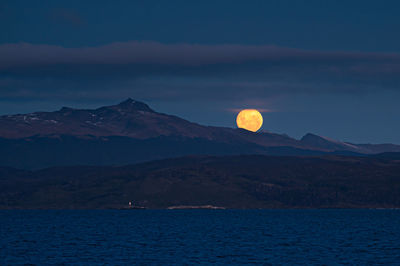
(248, 181)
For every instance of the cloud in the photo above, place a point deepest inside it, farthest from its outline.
(175, 72)
(262, 110)
(123, 53)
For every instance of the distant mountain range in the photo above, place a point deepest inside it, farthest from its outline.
(132, 132)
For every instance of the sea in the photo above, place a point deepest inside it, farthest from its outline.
(186, 237)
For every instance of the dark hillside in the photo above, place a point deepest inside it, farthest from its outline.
(252, 181)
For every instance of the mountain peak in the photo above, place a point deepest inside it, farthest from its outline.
(327, 143)
(320, 140)
(130, 104)
(127, 101)
(310, 136)
(66, 109)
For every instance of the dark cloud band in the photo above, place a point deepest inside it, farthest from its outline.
(122, 53)
(151, 70)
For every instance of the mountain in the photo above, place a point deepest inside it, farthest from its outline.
(251, 181)
(327, 144)
(132, 132)
(129, 118)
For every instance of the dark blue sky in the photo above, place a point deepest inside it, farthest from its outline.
(327, 67)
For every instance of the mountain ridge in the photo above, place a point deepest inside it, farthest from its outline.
(133, 132)
(130, 119)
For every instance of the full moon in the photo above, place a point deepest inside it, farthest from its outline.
(249, 119)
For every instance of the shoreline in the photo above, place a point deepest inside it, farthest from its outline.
(200, 207)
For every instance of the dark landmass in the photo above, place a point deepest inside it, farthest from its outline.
(42, 152)
(248, 181)
(38, 149)
(201, 207)
(131, 132)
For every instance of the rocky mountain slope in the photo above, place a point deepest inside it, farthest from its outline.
(132, 132)
(128, 119)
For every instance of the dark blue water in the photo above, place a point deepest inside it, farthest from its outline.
(200, 236)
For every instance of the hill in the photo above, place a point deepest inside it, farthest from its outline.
(248, 181)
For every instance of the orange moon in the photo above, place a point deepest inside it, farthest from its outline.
(249, 119)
